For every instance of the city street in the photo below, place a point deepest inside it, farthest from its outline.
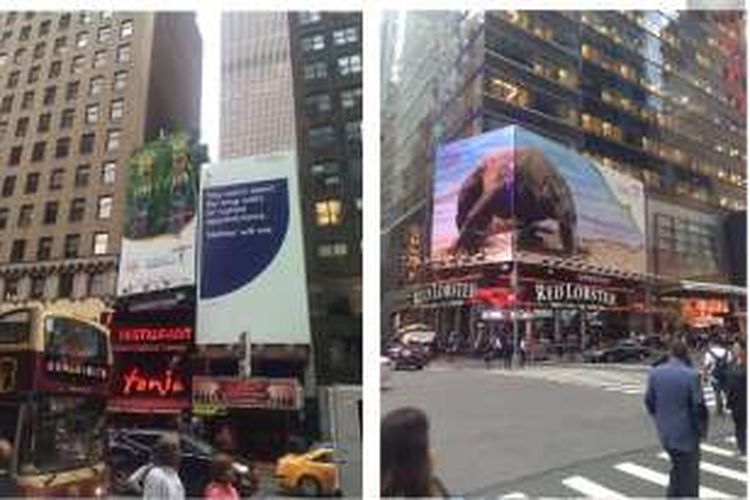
(551, 431)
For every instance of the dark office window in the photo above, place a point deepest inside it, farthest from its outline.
(67, 118)
(37, 154)
(7, 104)
(17, 251)
(62, 148)
(4, 213)
(71, 92)
(9, 185)
(37, 287)
(50, 212)
(77, 210)
(22, 125)
(82, 175)
(56, 179)
(55, 69)
(87, 143)
(44, 123)
(28, 99)
(72, 242)
(25, 215)
(44, 248)
(32, 183)
(15, 156)
(49, 95)
(65, 285)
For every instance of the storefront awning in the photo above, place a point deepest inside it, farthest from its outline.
(687, 288)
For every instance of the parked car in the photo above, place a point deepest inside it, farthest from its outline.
(131, 448)
(621, 351)
(408, 357)
(313, 473)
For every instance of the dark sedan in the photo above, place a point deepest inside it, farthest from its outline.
(407, 357)
(131, 448)
(623, 351)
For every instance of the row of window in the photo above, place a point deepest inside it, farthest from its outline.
(56, 180)
(67, 118)
(87, 146)
(77, 67)
(76, 212)
(345, 66)
(321, 103)
(103, 33)
(96, 286)
(19, 249)
(326, 135)
(339, 37)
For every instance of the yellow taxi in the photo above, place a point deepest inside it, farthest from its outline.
(313, 473)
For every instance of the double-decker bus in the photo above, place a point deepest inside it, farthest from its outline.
(54, 376)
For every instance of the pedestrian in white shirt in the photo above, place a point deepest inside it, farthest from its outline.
(716, 364)
(159, 480)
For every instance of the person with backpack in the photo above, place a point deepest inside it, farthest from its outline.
(716, 364)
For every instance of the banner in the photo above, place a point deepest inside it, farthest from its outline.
(157, 249)
(252, 273)
(215, 395)
(510, 191)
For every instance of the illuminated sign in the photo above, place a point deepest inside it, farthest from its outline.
(74, 368)
(214, 395)
(575, 293)
(444, 292)
(163, 384)
(151, 334)
(155, 375)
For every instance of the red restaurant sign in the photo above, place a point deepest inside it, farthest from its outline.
(216, 394)
(151, 334)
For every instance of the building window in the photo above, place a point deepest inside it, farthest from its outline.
(62, 147)
(105, 207)
(49, 96)
(44, 248)
(100, 59)
(9, 185)
(121, 79)
(28, 100)
(350, 65)
(332, 250)
(13, 78)
(44, 123)
(85, 18)
(77, 65)
(37, 287)
(77, 210)
(37, 153)
(321, 136)
(44, 27)
(50, 212)
(313, 43)
(60, 46)
(15, 156)
(67, 118)
(71, 93)
(82, 176)
(64, 22)
(55, 69)
(101, 241)
(328, 213)
(7, 104)
(123, 54)
(11, 288)
(25, 33)
(10, 18)
(4, 212)
(17, 251)
(351, 98)
(117, 109)
(104, 34)
(353, 131)
(22, 125)
(126, 29)
(113, 140)
(96, 85)
(82, 39)
(319, 103)
(72, 242)
(96, 286)
(34, 74)
(65, 282)
(92, 114)
(308, 17)
(32, 183)
(39, 49)
(18, 56)
(315, 71)
(345, 36)
(87, 143)
(109, 172)
(25, 215)
(56, 179)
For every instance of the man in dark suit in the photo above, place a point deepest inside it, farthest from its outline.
(675, 400)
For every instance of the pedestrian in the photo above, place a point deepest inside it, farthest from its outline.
(522, 350)
(508, 352)
(675, 401)
(737, 396)
(406, 464)
(715, 369)
(223, 477)
(159, 479)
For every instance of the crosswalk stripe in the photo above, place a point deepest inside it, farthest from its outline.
(590, 488)
(717, 450)
(655, 477)
(716, 469)
(516, 495)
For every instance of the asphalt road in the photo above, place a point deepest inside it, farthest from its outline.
(491, 429)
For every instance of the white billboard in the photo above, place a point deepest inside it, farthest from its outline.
(252, 264)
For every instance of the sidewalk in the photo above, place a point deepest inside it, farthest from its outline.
(467, 363)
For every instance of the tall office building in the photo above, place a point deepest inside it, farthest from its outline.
(327, 61)
(257, 94)
(79, 92)
(658, 96)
